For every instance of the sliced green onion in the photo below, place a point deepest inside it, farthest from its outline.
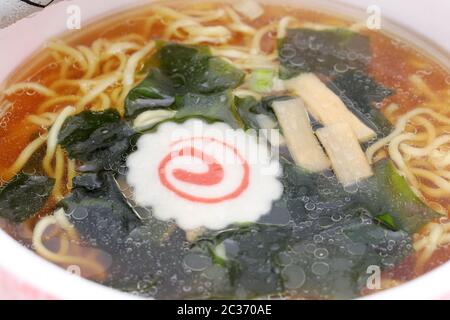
(262, 80)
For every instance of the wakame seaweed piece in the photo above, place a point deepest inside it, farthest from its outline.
(23, 196)
(78, 128)
(180, 70)
(297, 181)
(245, 107)
(211, 107)
(101, 138)
(99, 211)
(387, 192)
(322, 51)
(360, 92)
(194, 69)
(153, 251)
(156, 91)
(142, 251)
(249, 108)
(309, 259)
(248, 255)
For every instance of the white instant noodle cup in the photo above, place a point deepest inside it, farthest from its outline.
(24, 275)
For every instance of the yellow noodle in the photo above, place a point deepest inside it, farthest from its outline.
(24, 156)
(443, 184)
(75, 54)
(123, 59)
(254, 64)
(391, 109)
(105, 102)
(233, 15)
(131, 37)
(113, 64)
(221, 33)
(420, 85)
(59, 175)
(205, 15)
(257, 38)
(232, 53)
(429, 127)
(440, 159)
(242, 28)
(173, 28)
(148, 26)
(44, 120)
(99, 45)
(64, 223)
(131, 68)
(168, 13)
(431, 245)
(283, 25)
(437, 207)
(204, 39)
(122, 47)
(115, 95)
(32, 86)
(52, 140)
(100, 87)
(64, 245)
(238, 25)
(71, 173)
(444, 174)
(400, 126)
(399, 161)
(92, 61)
(64, 69)
(42, 250)
(434, 192)
(132, 64)
(74, 83)
(56, 100)
(56, 56)
(422, 152)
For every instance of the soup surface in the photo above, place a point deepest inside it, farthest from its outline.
(229, 150)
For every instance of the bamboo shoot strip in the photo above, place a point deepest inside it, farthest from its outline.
(325, 105)
(347, 158)
(302, 143)
(251, 9)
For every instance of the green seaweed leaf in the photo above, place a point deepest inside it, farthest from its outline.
(24, 196)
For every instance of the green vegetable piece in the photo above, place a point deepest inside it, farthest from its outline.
(194, 69)
(249, 108)
(262, 80)
(98, 209)
(154, 92)
(213, 107)
(180, 71)
(387, 191)
(139, 247)
(100, 138)
(78, 128)
(259, 257)
(322, 51)
(360, 92)
(24, 196)
(387, 220)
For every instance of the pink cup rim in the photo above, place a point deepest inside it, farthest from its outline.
(44, 278)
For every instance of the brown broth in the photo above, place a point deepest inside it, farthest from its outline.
(392, 63)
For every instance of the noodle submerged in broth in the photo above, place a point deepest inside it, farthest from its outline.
(354, 127)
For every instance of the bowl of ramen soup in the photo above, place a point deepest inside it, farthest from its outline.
(222, 150)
